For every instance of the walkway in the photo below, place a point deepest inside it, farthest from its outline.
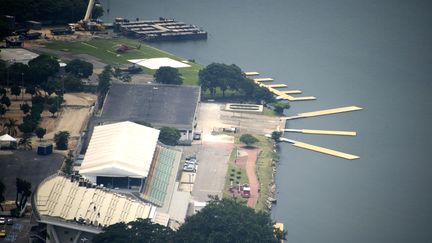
(252, 155)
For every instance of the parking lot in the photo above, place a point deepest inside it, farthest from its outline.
(26, 165)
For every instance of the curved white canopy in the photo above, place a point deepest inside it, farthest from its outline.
(119, 150)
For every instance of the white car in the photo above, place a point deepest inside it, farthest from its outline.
(2, 220)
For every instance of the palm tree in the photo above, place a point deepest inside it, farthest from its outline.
(25, 143)
(23, 189)
(11, 127)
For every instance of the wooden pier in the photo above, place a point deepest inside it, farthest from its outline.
(324, 112)
(320, 149)
(251, 73)
(322, 132)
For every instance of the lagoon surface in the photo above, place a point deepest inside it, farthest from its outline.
(370, 53)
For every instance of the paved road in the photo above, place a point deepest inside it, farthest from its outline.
(213, 164)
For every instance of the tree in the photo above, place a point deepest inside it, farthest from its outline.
(40, 132)
(104, 80)
(168, 75)
(68, 164)
(97, 12)
(18, 72)
(2, 191)
(25, 108)
(5, 101)
(79, 68)
(23, 192)
(261, 94)
(226, 221)
(219, 75)
(248, 139)
(276, 136)
(61, 139)
(279, 107)
(16, 90)
(3, 91)
(31, 90)
(169, 136)
(2, 110)
(53, 109)
(25, 142)
(141, 230)
(43, 67)
(72, 83)
(11, 127)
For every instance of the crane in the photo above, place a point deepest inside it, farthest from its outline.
(87, 23)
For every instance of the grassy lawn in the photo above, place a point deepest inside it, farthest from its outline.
(264, 170)
(104, 50)
(235, 175)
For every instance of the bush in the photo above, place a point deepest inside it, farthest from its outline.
(169, 136)
(61, 140)
(248, 139)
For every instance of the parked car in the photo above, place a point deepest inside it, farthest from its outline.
(2, 220)
(189, 167)
(9, 221)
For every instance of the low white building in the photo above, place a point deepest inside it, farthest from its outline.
(119, 155)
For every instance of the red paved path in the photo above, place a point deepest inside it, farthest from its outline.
(252, 154)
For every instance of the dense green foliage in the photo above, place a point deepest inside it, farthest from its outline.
(248, 139)
(11, 127)
(105, 80)
(227, 221)
(169, 136)
(230, 77)
(57, 11)
(23, 192)
(68, 164)
(72, 83)
(61, 140)
(79, 68)
(40, 132)
(279, 107)
(43, 67)
(168, 75)
(5, 101)
(221, 221)
(139, 231)
(276, 136)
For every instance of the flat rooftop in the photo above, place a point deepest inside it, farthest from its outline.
(17, 55)
(160, 105)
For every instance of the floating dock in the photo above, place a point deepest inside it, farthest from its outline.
(259, 80)
(251, 73)
(292, 91)
(324, 112)
(159, 30)
(277, 85)
(322, 132)
(285, 96)
(320, 149)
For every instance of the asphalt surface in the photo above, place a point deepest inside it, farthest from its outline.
(26, 165)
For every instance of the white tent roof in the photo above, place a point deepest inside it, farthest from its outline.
(120, 149)
(7, 138)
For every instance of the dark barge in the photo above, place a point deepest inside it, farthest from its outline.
(159, 30)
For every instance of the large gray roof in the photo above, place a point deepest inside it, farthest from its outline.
(158, 104)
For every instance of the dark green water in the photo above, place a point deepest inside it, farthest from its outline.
(370, 53)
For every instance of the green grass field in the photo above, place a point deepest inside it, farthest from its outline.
(104, 50)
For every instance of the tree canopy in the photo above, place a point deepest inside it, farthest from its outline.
(43, 67)
(80, 68)
(227, 221)
(168, 75)
(61, 139)
(141, 230)
(230, 77)
(169, 136)
(58, 11)
(248, 139)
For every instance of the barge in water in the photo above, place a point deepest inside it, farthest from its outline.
(159, 30)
